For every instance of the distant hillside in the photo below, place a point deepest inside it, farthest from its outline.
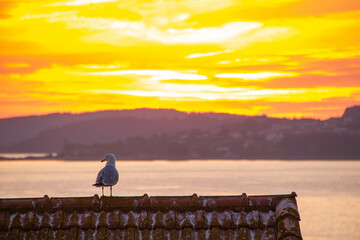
(352, 113)
(17, 129)
(170, 134)
(48, 133)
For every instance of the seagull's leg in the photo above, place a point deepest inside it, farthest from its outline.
(102, 188)
(110, 191)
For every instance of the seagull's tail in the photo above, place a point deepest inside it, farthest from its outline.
(97, 184)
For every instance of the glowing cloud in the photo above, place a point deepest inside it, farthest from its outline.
(213, 94)
(157, 75)
(197, 55)
(253, 76)
(80, 2)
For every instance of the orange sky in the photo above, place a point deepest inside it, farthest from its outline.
(282, 58)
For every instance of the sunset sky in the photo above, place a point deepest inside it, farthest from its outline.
(282, 58)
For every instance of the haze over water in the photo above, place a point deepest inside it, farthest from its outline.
(328, 191)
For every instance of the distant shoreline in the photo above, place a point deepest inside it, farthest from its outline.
(186, 159)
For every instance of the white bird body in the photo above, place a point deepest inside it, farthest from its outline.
(108, 176)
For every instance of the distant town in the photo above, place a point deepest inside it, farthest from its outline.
(145, 134)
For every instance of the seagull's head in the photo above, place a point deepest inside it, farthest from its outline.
(110, 158)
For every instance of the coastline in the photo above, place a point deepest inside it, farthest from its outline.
(186, 159)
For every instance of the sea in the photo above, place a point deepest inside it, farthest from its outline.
(328, 191)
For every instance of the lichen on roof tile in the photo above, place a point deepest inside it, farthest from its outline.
(143, 217)
(217, 219)
(288, 226)
(136, 219)
(99, 233)
(286, 207)
(193, 219)
(267, 219)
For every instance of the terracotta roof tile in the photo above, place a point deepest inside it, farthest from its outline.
(267, 219)
(77, 219)
(125, 234)
(99, 233)
(163, 219)
(217, 219)
(110, 219)
(287, 207)
(68, 234)
(11, 234)
(143, 217)
(34, 234)
(190, 219)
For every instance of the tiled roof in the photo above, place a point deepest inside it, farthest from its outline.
(144, 217)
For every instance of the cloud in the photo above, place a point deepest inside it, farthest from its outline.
(253, 76)
(205, 92)
(112, 30)
(197, 55)
(156, 75)
(80, 2)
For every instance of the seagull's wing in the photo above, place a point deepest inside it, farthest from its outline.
(108, 176)
(99, 178)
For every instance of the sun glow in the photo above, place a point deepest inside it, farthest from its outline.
(254, 57)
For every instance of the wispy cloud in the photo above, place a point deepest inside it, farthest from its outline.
(79, 2)
(111, 30)
(208, 93)
(156, 75)
(253, 76)
(197, 55)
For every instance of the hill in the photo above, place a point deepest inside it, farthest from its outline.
(48, 133)
(170, 134)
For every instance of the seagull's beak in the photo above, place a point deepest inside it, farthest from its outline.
(103, 160)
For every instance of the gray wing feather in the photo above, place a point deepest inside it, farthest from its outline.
(108, 176)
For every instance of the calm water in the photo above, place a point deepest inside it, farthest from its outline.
(328, 192)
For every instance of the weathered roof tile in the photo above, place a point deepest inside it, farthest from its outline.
(77, 219)
(13, 220)
(229, 202)
(174, 203)
(288, 227)
(267, 219)
(193, 219)
(105, 219)
(242, 234)
(217, 219)
(202, 234)
(268, 233)
(287, 207)
(159, 219)
(49, 220)
(12, 234)
(186, 234)
(100, 233)
(68, 234)
(170, 234)
(121, 234)
(131, 203)
(253, 219)
(136, 219)
(34, 234)
(144, 217)
(155, 234)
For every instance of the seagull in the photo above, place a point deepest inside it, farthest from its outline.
(108, 176)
